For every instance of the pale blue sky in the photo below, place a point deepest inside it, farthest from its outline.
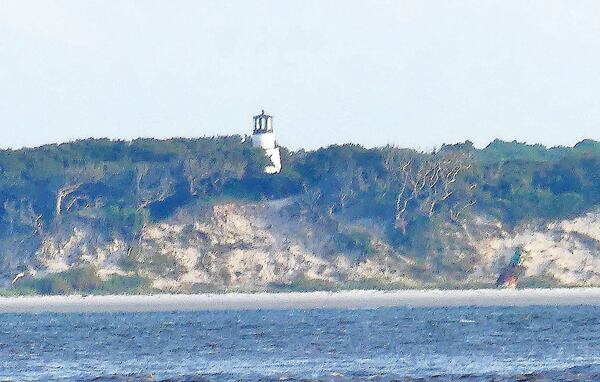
(412, 73)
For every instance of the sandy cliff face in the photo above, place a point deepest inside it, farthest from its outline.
(80, 245)
(250, 247)
(262, 245)
(567, 251)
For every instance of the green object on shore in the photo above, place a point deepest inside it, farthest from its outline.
(515, 260)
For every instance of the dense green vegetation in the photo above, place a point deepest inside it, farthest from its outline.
(512, 181)
(80, 280)
(121, 186)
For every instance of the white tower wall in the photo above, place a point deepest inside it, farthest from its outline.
(264, 138)
(265, 141)
(275, 157)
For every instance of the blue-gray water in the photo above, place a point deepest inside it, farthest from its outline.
(467, 344)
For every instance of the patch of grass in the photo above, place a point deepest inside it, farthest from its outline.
(48, 285)
(17, 291)
(538, 282)
(80, 280)
(164, 265)
(462, 286)
(119, 284)
(355, 241)
(128, 263)
(375, 284)
(206, 288)
(304, 284)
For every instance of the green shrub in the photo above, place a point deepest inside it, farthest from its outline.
(78, 280)
(355, 241)
(17, 291)
(538, 282)
(49, 285)
(83, 279)
(118, 284)
(164, 265)
(304, 284)
(128, 263)
(375, 284)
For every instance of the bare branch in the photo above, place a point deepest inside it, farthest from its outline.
(62, 193)
(429, 184)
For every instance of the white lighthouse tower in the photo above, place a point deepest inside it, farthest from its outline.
(264, 137)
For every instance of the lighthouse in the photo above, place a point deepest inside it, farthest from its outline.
(264, 137)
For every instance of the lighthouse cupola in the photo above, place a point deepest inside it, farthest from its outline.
(264, 137)
(263, 123)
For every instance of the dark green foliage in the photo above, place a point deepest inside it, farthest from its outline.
(499, 151)
(124, 284)
(80, 280)
(49, 285)
(128, 264)
(16, 292)
(122, 186)
(539, 282)
(164, 265)
(523, 189)
(355, 242)
(83, 279)
(304, 284)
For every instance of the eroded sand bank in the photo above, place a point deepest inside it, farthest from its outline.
(345, 299)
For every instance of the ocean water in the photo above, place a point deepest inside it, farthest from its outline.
(405, 344)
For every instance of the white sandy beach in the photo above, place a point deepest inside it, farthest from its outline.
(357, 299)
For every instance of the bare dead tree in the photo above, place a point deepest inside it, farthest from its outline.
(62, 193)
(20, 212)
(74, 179)
(76, 199)
(157, 189)
(196, 170)
(160, 196)
(140, 172)
(428, 183)
(454, 216)
(39, 225)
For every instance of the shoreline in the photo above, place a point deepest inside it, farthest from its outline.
(352, 299)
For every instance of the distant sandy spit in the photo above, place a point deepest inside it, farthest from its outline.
(355, 299)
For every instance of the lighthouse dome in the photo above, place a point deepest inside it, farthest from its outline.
(263, 123)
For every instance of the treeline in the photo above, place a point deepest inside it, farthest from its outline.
(124, 185)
